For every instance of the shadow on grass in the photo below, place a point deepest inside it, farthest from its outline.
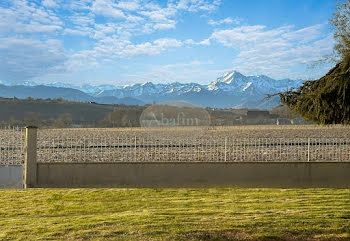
(235, 235)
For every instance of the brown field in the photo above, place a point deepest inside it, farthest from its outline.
(268, 131)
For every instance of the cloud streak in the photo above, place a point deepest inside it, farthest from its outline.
(275, 52)
(23, 59)
(228, 20)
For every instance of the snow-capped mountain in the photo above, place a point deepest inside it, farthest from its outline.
(88, 89)
(233, 89)
(235, 81)
(150, 90)
(15, 83)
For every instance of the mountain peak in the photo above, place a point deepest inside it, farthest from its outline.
(147, 84)
(230, 77)
(237, 72)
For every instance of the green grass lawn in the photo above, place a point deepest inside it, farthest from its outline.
(175, 214)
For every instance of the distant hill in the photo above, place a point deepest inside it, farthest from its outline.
(45, 113)
(50, 92)
(18, 109)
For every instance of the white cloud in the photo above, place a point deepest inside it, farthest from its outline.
(49, 3)
(129, 5)
(243, 36)
(167, 42)
(228, 20)
(202, 42)
(28, 18)
(82, 19)
(77, 5)
(162, 14)
(147, 48)
(75, 32)
(107, 8)
(159, 19)
(110, 48)
(132, 18)
(304, 34)
(163, 18)
(275, 52)
(23, 58)
(163, 26)
(197, 5)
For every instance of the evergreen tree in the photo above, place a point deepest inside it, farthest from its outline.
(323, 101)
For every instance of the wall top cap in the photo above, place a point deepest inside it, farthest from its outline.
(29, 127)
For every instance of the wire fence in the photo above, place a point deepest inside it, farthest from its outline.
(11, 146)
(150, 149)
(56, 146)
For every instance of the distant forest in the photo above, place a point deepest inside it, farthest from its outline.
(60, 113)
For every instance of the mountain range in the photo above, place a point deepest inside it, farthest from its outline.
(232, 90)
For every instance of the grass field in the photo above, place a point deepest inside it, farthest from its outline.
(175, 214)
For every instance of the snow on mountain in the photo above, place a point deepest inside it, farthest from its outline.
(88, 89)
(230, 82)
(91, 89)
(247, 86)
(228, 77)
(15, 83)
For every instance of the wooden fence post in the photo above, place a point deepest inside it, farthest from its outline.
(30, 166)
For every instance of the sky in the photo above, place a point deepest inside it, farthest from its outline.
(126, 42)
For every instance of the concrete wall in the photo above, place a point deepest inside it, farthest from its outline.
(11, 176)
(218, 174)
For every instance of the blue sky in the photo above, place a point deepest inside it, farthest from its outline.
(126, 42)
